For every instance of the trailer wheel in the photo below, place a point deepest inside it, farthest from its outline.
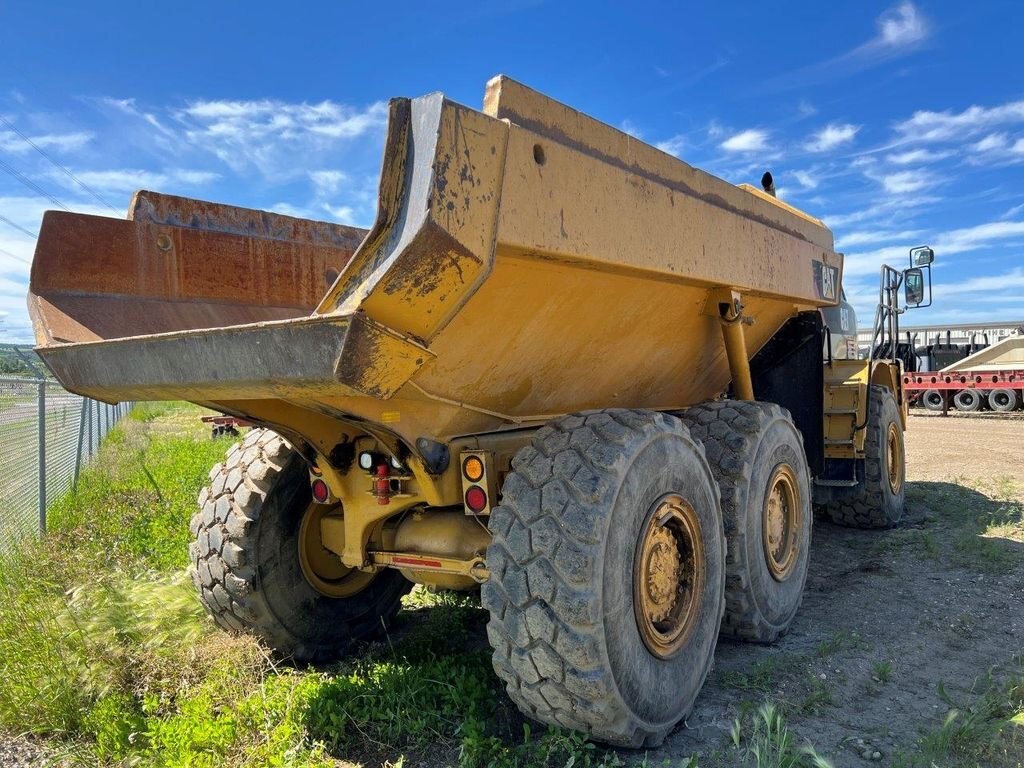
(757, 456)
(878, 501)
(259, 567)
(607, 575)
(1002, 400)
(968, 400)
(932, 399)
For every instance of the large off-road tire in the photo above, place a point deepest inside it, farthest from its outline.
(246, 559)
(757, 456)
(607, 575)
(1002, 400)
(878, 501)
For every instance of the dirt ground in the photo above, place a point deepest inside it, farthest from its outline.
(935, 600)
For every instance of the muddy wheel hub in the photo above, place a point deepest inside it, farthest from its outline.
(322, 569)
(894, 459)
(668, 576)
(781, 529)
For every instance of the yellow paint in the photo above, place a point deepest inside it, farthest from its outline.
(527, 261)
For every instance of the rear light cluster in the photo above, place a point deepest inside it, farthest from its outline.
(477, 483)
(318, 486)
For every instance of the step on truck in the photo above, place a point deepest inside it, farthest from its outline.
(562, 367)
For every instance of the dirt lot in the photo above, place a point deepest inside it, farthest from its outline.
(897, 627)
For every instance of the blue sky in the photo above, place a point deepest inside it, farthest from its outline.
(898, 123)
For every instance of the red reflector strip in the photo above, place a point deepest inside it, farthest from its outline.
(417, 562)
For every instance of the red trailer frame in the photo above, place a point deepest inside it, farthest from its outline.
(951, 382)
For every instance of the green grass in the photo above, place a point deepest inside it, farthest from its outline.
(105, 650)
(882, 671)
(763, 740)
(980, 524)
(986, 728)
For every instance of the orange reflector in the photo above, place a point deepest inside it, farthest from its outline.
(476, 499)
(473, 469)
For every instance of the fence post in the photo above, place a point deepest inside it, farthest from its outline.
(81, 441)
(42, 456)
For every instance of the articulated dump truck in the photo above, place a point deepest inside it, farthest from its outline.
(563, 368)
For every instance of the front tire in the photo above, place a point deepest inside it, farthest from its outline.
(607, 575)
(757, 456)
(879, 499)
(247, 567)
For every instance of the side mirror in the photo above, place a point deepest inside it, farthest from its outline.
(921, 256)
(913, 286)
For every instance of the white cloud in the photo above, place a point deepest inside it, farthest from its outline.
(991, 142)
(916, 156)
(1013, 211)
(868, 237)
(131, 179)
(269, 134)
(344, 214)
(926, 125)
(806, 180)
(750, 140)
(831, 136)
(950, 243)
(972, 238)
(900, 27)
(1011, 280)
(673, 146)
(328, 182)
(628, 126)
(806, 109)
(901, 30)
(904, 182)
(61, 142)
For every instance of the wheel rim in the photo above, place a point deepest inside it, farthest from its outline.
(780, 534)
(668, 576)
(321, 567)
(894, 459)
(1000, 399)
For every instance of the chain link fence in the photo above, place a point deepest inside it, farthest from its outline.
(46, 435)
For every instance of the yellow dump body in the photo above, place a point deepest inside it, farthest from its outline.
(526, 261)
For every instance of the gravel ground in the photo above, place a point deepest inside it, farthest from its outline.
(977, 446)
(901, 597)
(17, 752)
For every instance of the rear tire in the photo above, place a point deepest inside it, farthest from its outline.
(757, 456)
(247, 568)
(932, 399)
(582, 518)
(1002, 400)
(969, 400)
(878, 501)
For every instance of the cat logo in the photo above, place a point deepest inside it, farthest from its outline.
(826, 281)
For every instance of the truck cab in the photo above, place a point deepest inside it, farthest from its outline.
(841, 322)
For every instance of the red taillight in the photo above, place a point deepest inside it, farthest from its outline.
(321, 493)
(476, 499)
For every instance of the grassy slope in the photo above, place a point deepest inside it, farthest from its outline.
(105, 651)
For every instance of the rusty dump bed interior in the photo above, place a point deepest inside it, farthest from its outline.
(526, 261)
